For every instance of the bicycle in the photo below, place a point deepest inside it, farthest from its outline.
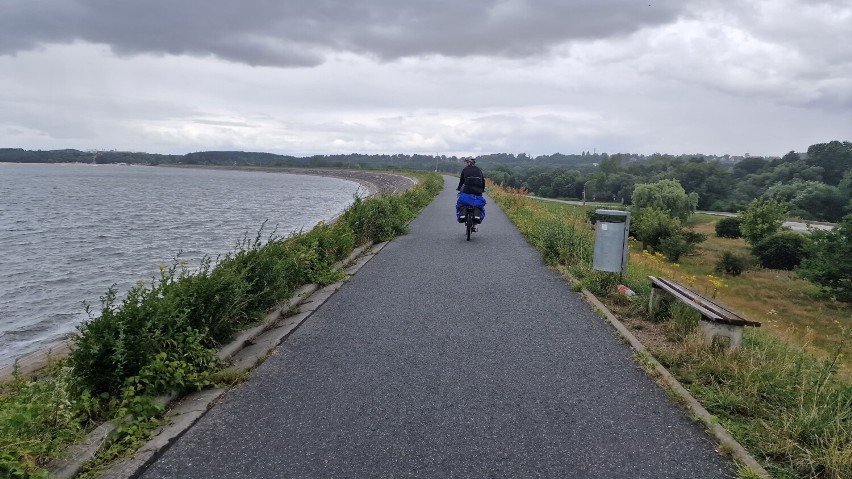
(472, 217)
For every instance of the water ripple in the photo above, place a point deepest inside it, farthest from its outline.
(68, 232)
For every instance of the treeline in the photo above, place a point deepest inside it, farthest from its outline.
(815, 185)
(584, 161)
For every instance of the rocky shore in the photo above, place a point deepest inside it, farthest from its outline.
(374, 182)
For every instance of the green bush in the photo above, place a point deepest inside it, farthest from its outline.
(673, 247)
(125, 338)
(652, 225)
(782, 250)
(829, 262)
(728, 227)
(214, 299)
(761, 219)
(732, 264)
(270, 271)
(377, 219)
(681, 243)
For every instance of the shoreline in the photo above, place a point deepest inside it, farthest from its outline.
(376, 183)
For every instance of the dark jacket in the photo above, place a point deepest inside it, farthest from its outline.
(472, 181)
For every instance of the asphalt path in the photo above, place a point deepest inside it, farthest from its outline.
(448, 358)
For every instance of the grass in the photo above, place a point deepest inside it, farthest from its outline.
(786, 306)
(782, 394)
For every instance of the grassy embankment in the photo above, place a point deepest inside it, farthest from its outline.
(162, 337)
(783, 394)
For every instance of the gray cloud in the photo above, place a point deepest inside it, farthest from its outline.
(720, 76)
(300, 33)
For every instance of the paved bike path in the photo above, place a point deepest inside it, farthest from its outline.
(448, 358)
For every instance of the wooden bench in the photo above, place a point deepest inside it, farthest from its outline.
(716, 321)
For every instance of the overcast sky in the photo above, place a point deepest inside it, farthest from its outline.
(426, 76)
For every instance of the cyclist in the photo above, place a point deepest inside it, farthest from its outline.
(471, 187)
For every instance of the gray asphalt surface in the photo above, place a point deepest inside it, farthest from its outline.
(447, 358)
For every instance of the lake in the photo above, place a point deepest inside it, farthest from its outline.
(70, 231)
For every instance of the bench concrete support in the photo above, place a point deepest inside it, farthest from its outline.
(710, 331)
(655, 299)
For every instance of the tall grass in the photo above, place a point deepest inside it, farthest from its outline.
(162, 337)
(789, 408)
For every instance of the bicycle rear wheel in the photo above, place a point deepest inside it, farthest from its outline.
(468, 221)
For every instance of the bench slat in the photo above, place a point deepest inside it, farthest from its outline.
(706, 307)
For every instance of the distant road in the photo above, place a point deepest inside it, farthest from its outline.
(800, 226)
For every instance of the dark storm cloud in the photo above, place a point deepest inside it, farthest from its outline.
(300, 33)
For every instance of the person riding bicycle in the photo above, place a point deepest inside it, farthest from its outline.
(471, 187)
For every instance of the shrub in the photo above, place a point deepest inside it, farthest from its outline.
(783, 250)
(728, 227)
(829, 262)
(652, 225)
(214, 300)
(125, 338)
(270, 270)
(681, 243)
(761, 219)
(732, 264)
(377, 219)
(673, 247)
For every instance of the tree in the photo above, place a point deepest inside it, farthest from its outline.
(610, 165)
(563, 184)
(619, 186)
(829, 264)
(833, 157)
(809, 199)
(751, 165)
(665, 195)
(761, 218)
(709, 180)
(535, 182)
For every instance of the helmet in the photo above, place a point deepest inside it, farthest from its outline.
(470, 160)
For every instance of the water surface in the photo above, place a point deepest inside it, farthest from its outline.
(68, 232)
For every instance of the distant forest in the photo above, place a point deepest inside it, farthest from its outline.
(816, 184)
